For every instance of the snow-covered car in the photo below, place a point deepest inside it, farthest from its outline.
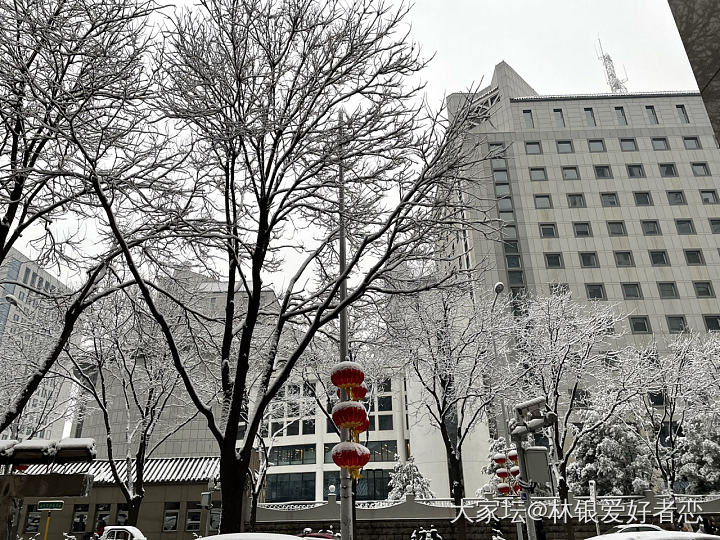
(254, 536)
(633, 527)
(122, 532)
(655, 535)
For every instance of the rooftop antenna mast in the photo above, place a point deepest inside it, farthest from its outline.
(616, 84)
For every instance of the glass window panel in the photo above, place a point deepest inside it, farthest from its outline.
(668, 170)
(596, 145)
(538, 173)
(620, 116)
(640, 325)
(609, 199)
(703, 289)
(667, 289)
(533, 148)
(576, 200)
(565, 147)
(676, 197)
(616, 228)
(548, 230)
(682, 113)
(628, 145)
(635, 171)
(642, 198)
(700, 169)
(659, 258)
(543, 201)
(589, 259)
(624, 258)
(652, 115)
(684, 226)
(660, 143)
(691, 143)
(631, 291)
(559, 117)
(603, 171)
(528, 118)
(709, 196)
(590, 117)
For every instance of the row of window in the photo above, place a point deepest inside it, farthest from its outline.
(284, 487)
(591, 121)
(626, 144)
(649, 227)
(605, 172)
(658, 257)
(640, 324)
(633, 290)
(544, 201)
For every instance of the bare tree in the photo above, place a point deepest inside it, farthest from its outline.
(122, 364)
(449, 341)
(258, 87)
(572, 354)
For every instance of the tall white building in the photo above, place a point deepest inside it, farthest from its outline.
(29, 325)
(612, 195)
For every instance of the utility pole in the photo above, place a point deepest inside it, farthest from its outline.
(346, 503)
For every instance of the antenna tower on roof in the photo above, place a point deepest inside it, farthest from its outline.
(616, 84)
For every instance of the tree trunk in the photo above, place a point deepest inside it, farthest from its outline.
(134, 509)
(457, 491)
(563, 493)
(233, 476)
(253, 511)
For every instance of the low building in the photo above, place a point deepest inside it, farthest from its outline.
(170, 510)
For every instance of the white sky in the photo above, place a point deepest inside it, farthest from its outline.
(550, 43)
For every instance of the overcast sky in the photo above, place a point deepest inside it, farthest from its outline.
(550, 43)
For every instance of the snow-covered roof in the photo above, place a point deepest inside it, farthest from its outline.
(157, 471)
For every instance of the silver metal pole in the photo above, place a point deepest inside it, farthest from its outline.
(346, 514)
(524, 477)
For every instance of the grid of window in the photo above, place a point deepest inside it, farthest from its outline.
(290, 487)
(301, 454)
(382, 450)
(193, 516)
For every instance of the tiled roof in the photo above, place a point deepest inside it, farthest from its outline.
(157, 471)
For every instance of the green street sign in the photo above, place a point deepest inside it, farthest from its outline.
(50, 505)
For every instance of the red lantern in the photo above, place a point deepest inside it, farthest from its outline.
(499, 459)
(359, 392)
(512, 456)
(349, 414)
(517, 488)
(347, 375)
(503, 488)
(515, 470)
(502, 473)
(351, 455)
(362, 428)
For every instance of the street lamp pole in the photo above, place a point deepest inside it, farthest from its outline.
(346, 503)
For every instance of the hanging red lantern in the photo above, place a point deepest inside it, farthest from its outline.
(517, 488)
(351, 455)
(359, 392)
(362, 428)
(347, 374)
(503, 488)
(499, 459)
(502, 472)
(515, 470)
(512, 456)
(349, 414)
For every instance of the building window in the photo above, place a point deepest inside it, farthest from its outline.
(171, 516)
(660, 143)
(709, 196)
(642, 198)
(659, 257)
(102, 516)
(501, 176)
(694, 257)
(624, 258)
(616, 228)
(565, 147)
(308, 426)
(570, 173)
(609, 199)
(559, 288)
(715, 226)
(700, 169)
(192, 516)
(650, 227)
(533, 148)
(682, 113)
(620, 116)
(80, 517)
(603, 172)
(302, 454)
(382, 450)
(32, 519)
(590, 117)
(703, 289)
(595, 291)
(553, 260)
(712, 322)
(691, 143)
(559, 118)
(668, 170)
(589, 259)
(596, 145)
(676, 324)
(293, 428)
(676, 198)
(667, 289)
(684, 226)
(543, 201)
(575, 200)
(628, 145)
(290, 487)
(385, 422)
(538, 173)
(548, 230)
(636, 171)
(373, 485)
(652, 115)
(631, 291)
(512, 261)
(385, 403)
(582, 229)
(640, 325)
(528, 117)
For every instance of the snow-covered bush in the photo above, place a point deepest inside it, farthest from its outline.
(407, 478)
